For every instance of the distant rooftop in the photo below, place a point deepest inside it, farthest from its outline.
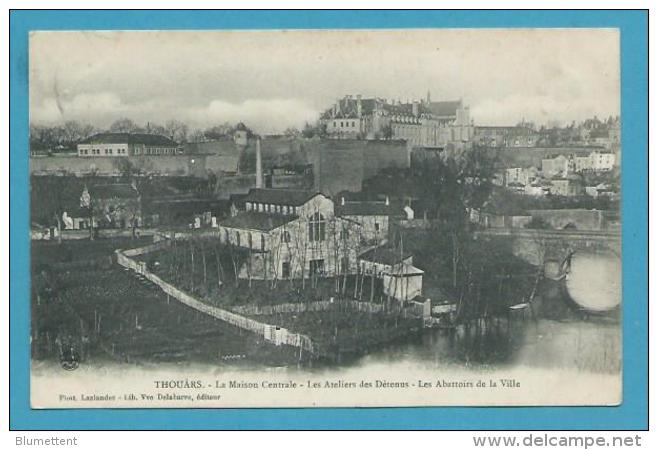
(257, 221)
(130, 138)
(385, 255)
(363, 208)
(290, 197)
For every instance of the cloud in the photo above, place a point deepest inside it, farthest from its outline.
(275, 79)
(262, 115)
(538, 108)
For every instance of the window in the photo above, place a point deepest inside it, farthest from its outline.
(262, 242)
(344, 234)
(316, 227)
(376, 226)
(285, 237)
(316, 266)
(237, 238)
(249, 240)
(344, 265)
(285, 269)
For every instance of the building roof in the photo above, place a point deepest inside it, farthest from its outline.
(443, 108)
(406, 270)
(290, 197)
(130, 138)
(384, 255)
(251, 220)
(119, 190)
(363, 209)
(347, 108)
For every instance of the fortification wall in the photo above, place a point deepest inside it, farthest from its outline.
(169, 165)
(343, 164)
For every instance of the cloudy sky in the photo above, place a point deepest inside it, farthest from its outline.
(275, 79)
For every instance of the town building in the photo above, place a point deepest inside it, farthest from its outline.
(520, 175)
(506, 136)
(566, 186)
(127, 144)
(372, 216)
(537, 188)
(421, 123)
(556, 165)
(291, 234)
(395, 271)
(116, 205)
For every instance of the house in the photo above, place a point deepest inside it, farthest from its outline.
(555, 165)
(373, 217)
(108, 206)
(597, 161)
(537, 188)
(520, 175)
(568, 186)
(522, 136)
(291, 234)
(127, 144)
(395, 270)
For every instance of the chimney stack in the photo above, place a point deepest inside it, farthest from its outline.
(342, 201)
(387, 201)
(259, 165)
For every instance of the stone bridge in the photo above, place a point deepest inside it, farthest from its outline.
(537, 246)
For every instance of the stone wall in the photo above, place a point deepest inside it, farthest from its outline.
(581, 219)
(169, 165)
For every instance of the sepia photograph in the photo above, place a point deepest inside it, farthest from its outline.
(325, 218)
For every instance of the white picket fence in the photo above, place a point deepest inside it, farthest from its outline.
(271, 333)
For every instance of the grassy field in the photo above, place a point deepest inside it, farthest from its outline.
(106, 313)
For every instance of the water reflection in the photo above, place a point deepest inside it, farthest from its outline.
(594, 281)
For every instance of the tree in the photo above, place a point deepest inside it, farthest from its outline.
(197, 136)
(218, 131)
(310, 131)
(177, 130)
(292, 132)
(387, 131)
(124, 125)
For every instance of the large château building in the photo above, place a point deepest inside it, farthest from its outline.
(422, 123)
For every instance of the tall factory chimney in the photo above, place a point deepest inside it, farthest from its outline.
(259, 165)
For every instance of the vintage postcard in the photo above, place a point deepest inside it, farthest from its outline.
(320, 218)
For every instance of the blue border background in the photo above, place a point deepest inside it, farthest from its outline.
(632, 414)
